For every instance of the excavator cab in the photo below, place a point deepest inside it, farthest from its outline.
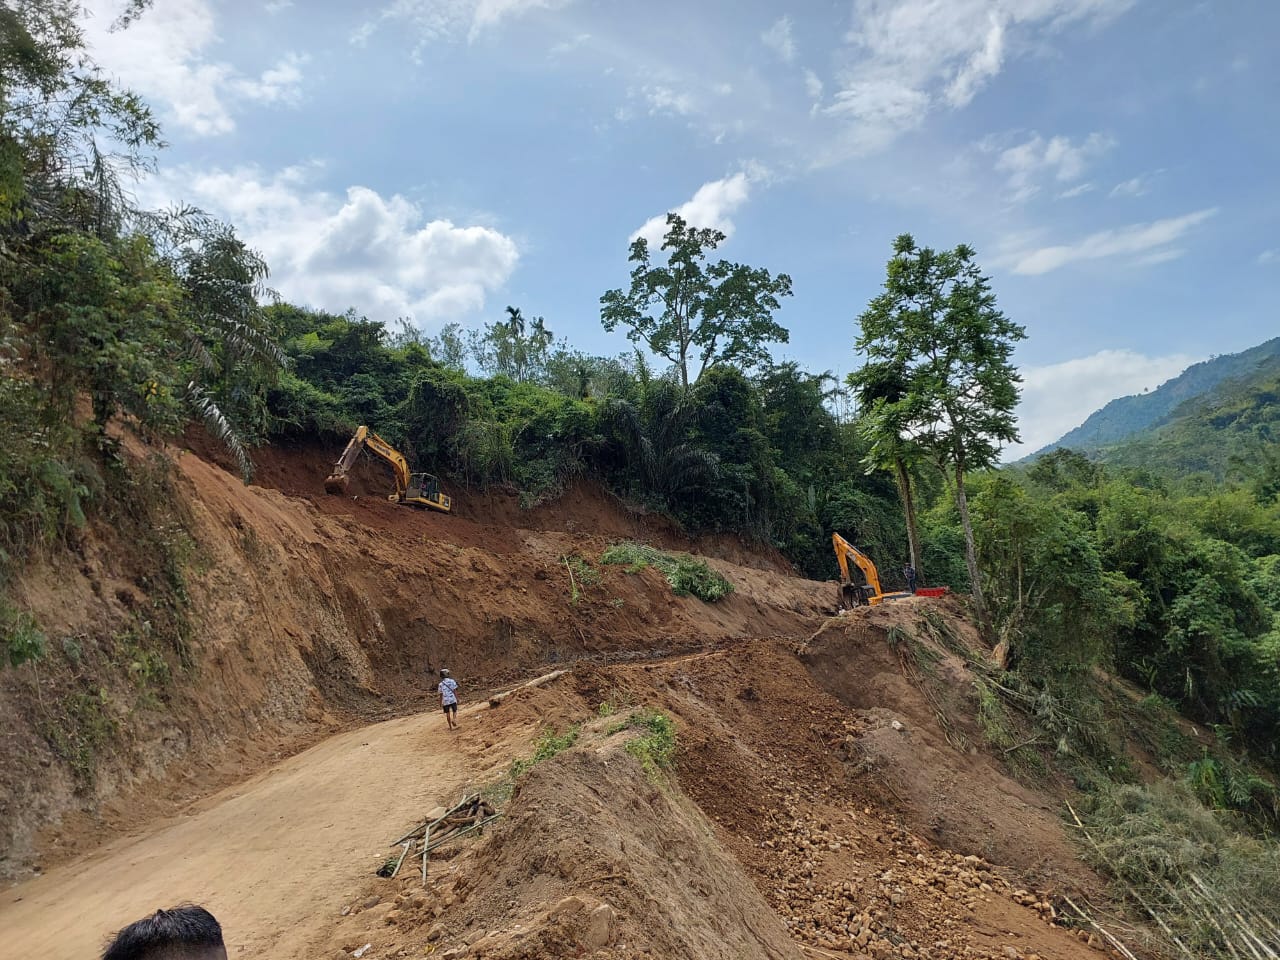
(424, 490)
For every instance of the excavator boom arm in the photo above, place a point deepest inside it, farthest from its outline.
(394, 457)
(336, 482)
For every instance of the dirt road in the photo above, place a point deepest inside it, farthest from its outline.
(274, 855)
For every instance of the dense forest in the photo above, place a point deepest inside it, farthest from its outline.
(117, 318)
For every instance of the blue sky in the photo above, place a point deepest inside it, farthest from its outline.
(1113, 161)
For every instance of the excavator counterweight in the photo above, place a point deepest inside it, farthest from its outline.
(412, 489)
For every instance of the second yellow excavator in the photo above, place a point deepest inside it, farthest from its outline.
(412, 489)
(856, 594)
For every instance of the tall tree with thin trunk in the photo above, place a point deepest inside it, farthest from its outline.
(937, 324)
(888, 448)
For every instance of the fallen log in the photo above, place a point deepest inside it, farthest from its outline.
(497, 698)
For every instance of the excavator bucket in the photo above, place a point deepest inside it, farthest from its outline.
(336, 484)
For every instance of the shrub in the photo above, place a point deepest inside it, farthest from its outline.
(686, 575)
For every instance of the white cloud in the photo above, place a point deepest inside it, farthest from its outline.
(908, 57)
(277, 6)
(713, 205)
(813, 84)
(778, 39)
(280, 84)
(1056, 158)
(1059, 397)
(980, 67)
(666, 100)
(164, 55)
(1147, 242)
(435, 20)
(1269, 256)
(377, 254)
(1077, 191)
(1136, 187)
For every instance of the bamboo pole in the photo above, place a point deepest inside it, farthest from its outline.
(404, 853)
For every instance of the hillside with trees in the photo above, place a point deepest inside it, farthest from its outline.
(1227, 433)
(1129, 417)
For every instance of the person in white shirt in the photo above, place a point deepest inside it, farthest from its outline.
(448, 688)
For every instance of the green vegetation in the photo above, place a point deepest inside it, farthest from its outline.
(655, 748)
(581, 575)
(20, 639)
(1229, 432)
(688, 576)
(111, 317)
(79, 728)
(548, 745)
(1199, 879)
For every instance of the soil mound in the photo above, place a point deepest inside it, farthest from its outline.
(595, 856)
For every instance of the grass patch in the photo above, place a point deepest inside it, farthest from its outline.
(21, 639)
(581, 575)
(688, 577)
(80, 730)
(548, 745)
(655, 748)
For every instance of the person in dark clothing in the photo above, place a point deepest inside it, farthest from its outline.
(183, 933)
(909, 575)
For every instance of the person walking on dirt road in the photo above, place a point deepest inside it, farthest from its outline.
(448, 688)
(183, 933)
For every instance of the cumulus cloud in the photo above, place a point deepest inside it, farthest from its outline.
(433, 20)
(360, 249)
(778, 39)
(1144, 242)
(1059, 397)
(1056, 158)
(1269, 256)
(908, 57)
(164, 55)
(713, 205)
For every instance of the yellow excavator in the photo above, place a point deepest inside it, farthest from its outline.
(412, 489)
(856, 594)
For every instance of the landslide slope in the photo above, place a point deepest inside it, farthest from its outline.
(288, 613)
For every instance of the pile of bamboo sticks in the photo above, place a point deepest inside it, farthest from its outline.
(470, 814)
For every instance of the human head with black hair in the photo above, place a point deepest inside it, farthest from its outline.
(182, 933)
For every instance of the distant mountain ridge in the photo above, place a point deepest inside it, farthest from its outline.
(1127, 417)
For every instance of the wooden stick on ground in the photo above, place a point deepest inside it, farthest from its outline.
(1124, 951)
(454, 836)
(404, 853)
(426, 854)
